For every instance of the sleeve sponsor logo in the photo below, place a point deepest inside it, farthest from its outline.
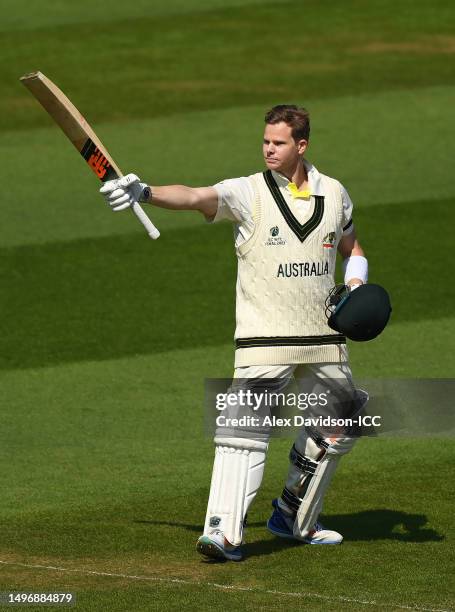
(329, 240)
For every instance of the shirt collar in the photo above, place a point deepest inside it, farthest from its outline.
(314, 179)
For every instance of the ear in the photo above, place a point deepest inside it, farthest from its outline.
(302, 146)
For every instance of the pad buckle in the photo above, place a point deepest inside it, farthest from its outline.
(304, 464)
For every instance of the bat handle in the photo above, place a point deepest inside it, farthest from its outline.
(140, 214)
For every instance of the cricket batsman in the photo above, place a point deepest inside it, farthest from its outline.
(290, 221)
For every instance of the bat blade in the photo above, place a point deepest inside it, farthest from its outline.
(73, 124)
(80, 133)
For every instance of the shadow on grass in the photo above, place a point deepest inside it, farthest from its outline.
(186, 526)
(384, 524)
(365, 526)
(107, 533)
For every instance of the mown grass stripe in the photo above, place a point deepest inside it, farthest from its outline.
(43, 208)
(199, 63)
(122, 295)
(21, 16)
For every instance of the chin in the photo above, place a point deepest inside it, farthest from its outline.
(273, 165)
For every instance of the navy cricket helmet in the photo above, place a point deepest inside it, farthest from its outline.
(361, 314)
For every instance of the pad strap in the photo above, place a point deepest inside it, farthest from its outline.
(304, 464)
(292, 501)
(319, 440)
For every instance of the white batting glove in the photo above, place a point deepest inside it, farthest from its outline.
(123, 192)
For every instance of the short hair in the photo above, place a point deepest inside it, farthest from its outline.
(295, 117)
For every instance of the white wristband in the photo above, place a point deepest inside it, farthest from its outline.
(355, 266)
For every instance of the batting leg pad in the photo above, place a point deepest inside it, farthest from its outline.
(313, 499)
(237, 474)
(313, 461)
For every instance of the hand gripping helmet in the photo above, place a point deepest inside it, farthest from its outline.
(361, 314)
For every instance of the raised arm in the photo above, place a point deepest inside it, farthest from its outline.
(180, 197)
(122, 193)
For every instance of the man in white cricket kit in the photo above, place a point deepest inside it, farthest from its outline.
(290, 221)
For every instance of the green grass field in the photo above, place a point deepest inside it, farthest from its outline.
(107, 337)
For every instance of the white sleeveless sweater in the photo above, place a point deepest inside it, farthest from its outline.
(285, 272)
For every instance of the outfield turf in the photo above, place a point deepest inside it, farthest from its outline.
(107, 337)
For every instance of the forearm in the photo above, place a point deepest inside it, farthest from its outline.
(357, 251)
(174, 197)
(355, 265)
(180, 197)
(355, 268)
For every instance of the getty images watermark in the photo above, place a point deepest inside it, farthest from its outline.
(278, 407)
(331, 407)
(314, 403)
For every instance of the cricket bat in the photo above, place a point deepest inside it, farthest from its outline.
(70, 120)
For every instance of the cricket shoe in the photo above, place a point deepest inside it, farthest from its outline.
(281, 524)
(215, 546)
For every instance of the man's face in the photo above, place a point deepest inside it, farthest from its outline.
(281, 151)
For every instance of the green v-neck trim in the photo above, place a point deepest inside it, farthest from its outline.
(301, 231)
